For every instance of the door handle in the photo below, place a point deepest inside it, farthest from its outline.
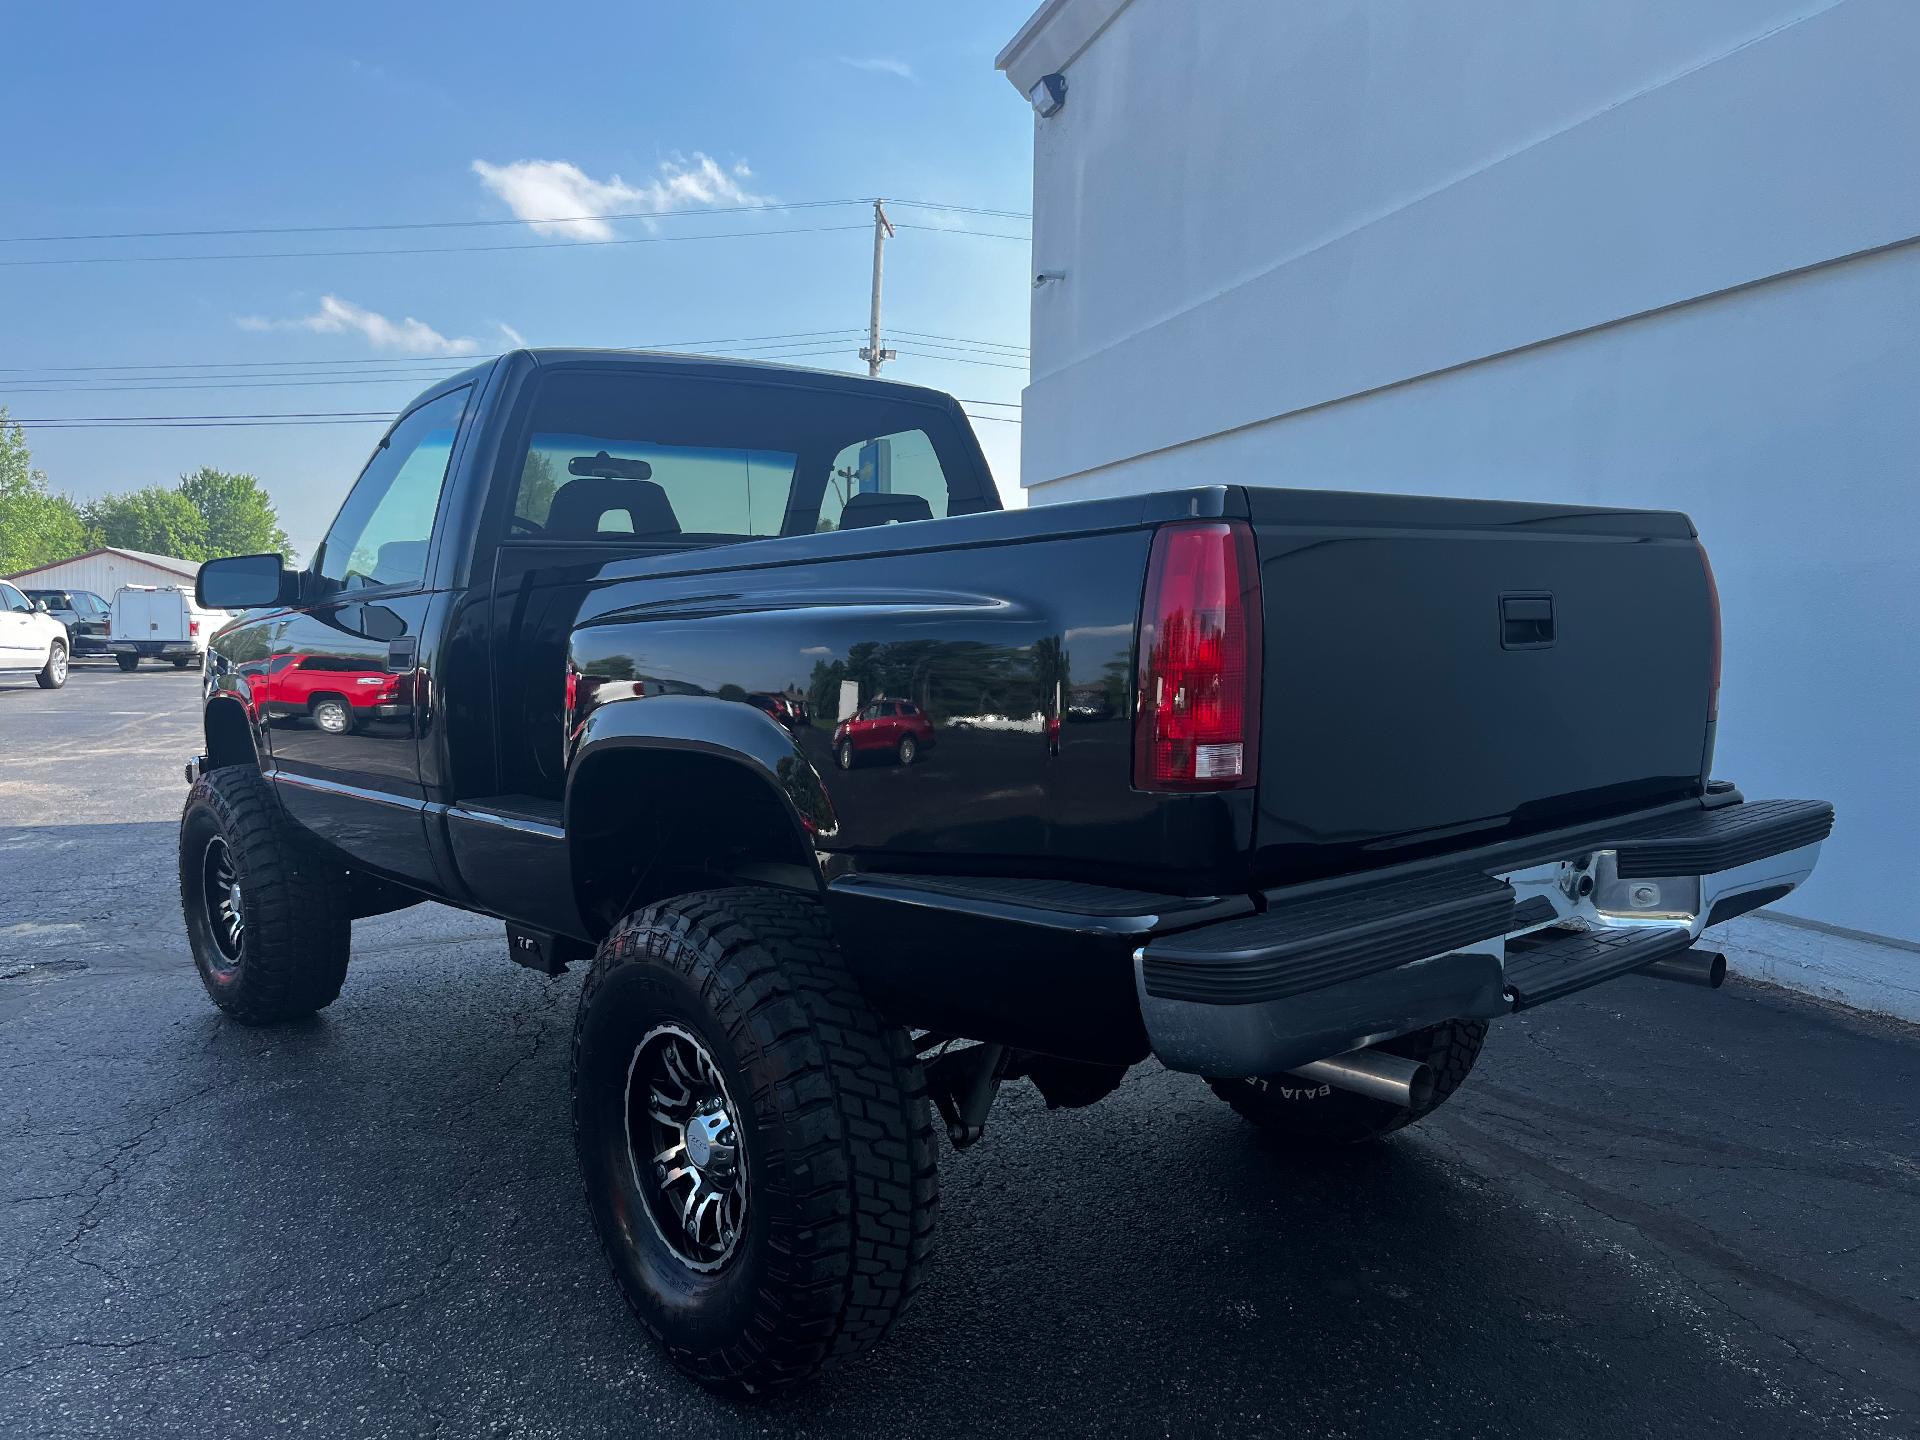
(402, 654)
(1526, 622)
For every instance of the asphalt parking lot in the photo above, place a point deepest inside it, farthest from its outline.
(1654, 1210)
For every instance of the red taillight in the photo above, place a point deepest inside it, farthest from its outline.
(1197, 713)
(1713, 620)
(193, 628)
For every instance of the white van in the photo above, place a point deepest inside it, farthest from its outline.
(162, 622)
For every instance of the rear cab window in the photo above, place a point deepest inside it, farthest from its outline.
(641, 456)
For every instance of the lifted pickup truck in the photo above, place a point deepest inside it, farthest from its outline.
(1292, 790)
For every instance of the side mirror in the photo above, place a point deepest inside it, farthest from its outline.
(246, 582)
(42, 607)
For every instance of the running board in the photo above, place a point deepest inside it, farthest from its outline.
(1550, 964)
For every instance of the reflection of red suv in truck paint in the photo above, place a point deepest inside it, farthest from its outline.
(332, 691)
(898, 726)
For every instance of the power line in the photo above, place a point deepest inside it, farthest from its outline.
(50, 374)
(961, 339)
(269, 419)
(362, 228)
(962, 360)
(416, 359)
(957, 230)
(438, 249)
(417, 381)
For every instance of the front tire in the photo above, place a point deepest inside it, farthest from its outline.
(1316, 1115)
(267, 914)
(844, 755)
(909, 749)
(53, 674)
(128, 663)
(785, 1217)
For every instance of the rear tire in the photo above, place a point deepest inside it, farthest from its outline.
(909, 749)
(825, 1194)
(128, 663)
(53, 674)
(1317, 1115)
(267, 914)
(332, 715)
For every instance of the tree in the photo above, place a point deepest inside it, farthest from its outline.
(236, 515)
(156, 518)
(37, 527)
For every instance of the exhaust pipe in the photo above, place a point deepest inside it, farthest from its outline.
(1690, 967)
(1376, 1075)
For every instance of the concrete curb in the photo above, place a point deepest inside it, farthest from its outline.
(1852, 970)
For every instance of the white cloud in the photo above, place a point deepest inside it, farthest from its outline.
(880, 65)
(342, 317)
(541, 192)
(514, 337)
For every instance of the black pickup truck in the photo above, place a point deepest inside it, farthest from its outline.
(865, 797)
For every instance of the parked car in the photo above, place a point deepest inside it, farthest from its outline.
(784, 709)
(159, 623)
(83, 613)
(896, 728)
(334, 692)
(31, 639)
(1387, 769)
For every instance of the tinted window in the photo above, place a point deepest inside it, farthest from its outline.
(380, 537)
(12, 599)
(89, 604)
(637, 455)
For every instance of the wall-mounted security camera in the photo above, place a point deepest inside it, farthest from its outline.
(1048, 277)
(1049, 94)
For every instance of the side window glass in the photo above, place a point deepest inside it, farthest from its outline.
(380, 537)
(887, 480)
(12, 599)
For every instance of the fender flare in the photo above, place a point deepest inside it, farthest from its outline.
(724, 729)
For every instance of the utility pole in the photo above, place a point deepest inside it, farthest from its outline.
(871, 351)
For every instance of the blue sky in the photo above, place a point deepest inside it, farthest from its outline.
(163, 118)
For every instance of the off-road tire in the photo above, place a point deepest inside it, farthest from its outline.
(53, 674)
(293, 954)
(128, 663)
(834, 1120)
(1319, 1115)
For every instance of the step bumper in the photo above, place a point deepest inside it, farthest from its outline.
(1327, 969)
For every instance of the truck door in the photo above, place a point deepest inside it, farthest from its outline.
(344, 688)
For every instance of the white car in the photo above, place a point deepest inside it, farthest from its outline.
(31, 639)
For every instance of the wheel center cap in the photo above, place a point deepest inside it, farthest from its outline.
(702, 1131)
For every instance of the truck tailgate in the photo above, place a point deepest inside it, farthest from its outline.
(1446, 673)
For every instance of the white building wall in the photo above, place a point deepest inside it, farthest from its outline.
(1633, 254)
(102, 574)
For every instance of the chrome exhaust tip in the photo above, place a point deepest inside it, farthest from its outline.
(1376, 1075)
(1691, 967)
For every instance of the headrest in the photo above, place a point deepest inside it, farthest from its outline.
(580, 505)
(873, 508)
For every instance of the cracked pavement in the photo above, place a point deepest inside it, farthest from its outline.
(1653, 1209)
